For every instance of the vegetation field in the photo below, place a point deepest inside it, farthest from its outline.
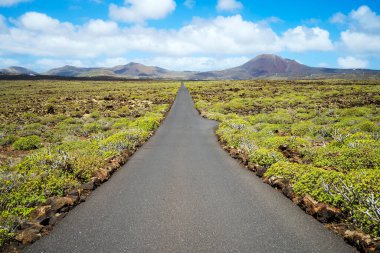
(322, 136)
(55, 134)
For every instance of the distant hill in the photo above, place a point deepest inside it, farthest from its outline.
(273, 66)
(15, 70)
(137, 69)
(263, 66)
(68, 71)
(130, 70)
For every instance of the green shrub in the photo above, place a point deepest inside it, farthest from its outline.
(90, 128)
(348, 191)
(8, 140)
(353, 155)
(123, 140)
(292, 142)
(288, 170)
(305, 128)
(281, 116)
(355, 112)
(95, 115)
(122, 123)
(30, 117)
(38, 176)
(149, 122)
(84, 162)
(312, 183)
(349, 121)
(28, 143)
(232, 131)
(265, 157)
(359, 191)
(332, 125)
(33, 129)
(367, 126)
(7, 228)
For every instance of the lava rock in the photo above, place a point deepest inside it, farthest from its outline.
(288, 192)
(61, 202)
(327, 214)
(29, 235)
(260, 170)
(280, 183)
(41, 213)
(102, 174)
(88, 186)
(56, 218)
(283, 147)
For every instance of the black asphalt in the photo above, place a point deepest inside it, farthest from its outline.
(182, 193)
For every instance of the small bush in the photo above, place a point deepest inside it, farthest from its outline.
(28, 143)
(266, 157)
(90, 128)
(149, 122)
(85, 162)
(288, 170)
(352, 155)
(8, 140)
(123, 140)
(122, 123)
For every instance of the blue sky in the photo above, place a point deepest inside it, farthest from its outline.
(188, 34)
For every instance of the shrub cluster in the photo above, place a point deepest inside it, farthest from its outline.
(323, 136)
(56, 135)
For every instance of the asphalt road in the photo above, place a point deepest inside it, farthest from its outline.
(182, 193)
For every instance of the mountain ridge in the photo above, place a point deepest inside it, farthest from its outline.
(17, 70)
(262, 66)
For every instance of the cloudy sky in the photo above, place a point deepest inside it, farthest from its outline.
(188, 34)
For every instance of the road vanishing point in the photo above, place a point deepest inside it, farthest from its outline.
(181, 192)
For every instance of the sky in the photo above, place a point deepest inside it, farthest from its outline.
(188, 34)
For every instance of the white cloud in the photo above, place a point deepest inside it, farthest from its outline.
(189, 3)
(361, 42)
(100, 27)
(302, 39)
(36, 34)
(350, 62)
(229, 5)
(363, 34)
(137, 11)
(7, 3)
(338, 18)
(39, 22)
(222, 35)
(227, 35)
(366, 19)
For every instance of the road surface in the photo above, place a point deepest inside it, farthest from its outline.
(182, 193)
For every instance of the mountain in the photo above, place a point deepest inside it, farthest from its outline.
(273, 66)
(130, 70)
(15, 70)
(69, 71)
(269, 64)
(137, 69)
(263, 66)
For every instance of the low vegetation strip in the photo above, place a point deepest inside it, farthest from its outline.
(56, 136)
(318, 141)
